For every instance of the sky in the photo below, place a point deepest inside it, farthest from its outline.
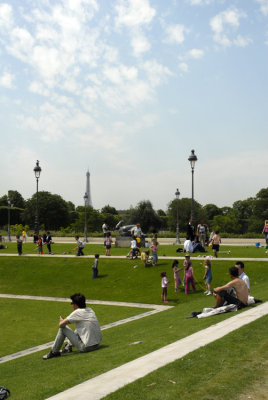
(126, 89)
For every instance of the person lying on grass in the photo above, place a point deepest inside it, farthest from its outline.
(234, 292)
(87, 335)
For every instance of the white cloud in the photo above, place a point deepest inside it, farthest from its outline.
(7, 80)
(140, 44)
(184, 67)
(264, 6)
(175, 34)
(223, 25)
(6, 16)
(133, 13)
(195, 53)
(242, 41)
(199, 2)
(157, 73)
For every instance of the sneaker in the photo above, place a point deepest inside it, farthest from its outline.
(165, 301)
(208, 293)
(67, 349)
(51, 355)
(205, 292)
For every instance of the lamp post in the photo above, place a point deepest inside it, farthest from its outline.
(85, 229)
(177, 194)
(8, 218)
(37, 172)
(192, 158)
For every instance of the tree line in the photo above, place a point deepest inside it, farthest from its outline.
(57, 214)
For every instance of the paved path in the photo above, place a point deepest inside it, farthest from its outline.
(110, 381)
(155, 309)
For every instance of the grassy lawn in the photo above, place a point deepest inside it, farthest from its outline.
(227, 368)
(29, 323)
(163, 250)
(29, 377)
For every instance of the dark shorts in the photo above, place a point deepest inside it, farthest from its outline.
(108, 246)
(216, 247)
(231, 299)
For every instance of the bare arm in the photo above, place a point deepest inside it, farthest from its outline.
(63, 322)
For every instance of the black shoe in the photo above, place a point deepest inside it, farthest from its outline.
(51, 355)
(67, 349)
(257, 301)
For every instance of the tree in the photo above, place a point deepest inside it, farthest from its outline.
(226, 223)
(94, 219)
(16, 199)
(260, 209)
(53, 211)
(211, 210)
(109, 210)
(184, 213)
(146, 216)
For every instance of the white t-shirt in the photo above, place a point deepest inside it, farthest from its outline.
(188, 246)
(86, 325)
(245, 279)
(133, 244)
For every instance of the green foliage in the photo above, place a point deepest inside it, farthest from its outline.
(146, 216)
(52, 209)
(184, 212)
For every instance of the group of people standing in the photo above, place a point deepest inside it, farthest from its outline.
(236, 291)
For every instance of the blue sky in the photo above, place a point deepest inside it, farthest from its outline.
(126, 88)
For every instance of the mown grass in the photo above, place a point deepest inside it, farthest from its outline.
(30, 377)
(29, 323)
(222, 370)
(163, 250)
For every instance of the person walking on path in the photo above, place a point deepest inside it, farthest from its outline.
(208, 275)
(164, 285)
(87, 335)
(216, 241)
(188, 274)
(19, 245)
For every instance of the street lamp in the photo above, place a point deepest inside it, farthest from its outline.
(177, 194)
(192, 158)
(37, 172)
(8, 217)
(85, 229)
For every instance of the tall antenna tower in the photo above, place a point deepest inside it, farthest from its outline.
(88, 200)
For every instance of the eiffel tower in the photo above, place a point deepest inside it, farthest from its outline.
(88, 200)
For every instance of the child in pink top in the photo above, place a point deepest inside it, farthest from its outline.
(164, 285)
(177, 279)
(188, 275)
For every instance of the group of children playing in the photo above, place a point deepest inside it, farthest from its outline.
(188, 279)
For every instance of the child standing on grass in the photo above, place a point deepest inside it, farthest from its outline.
(164, 285)
(145, 257)
(40, 244)
(95, 271)
(177, 279)
(19, 245)
(208, 275)
(216, 241)
(188, 274)
(108, 244)
(154, 252)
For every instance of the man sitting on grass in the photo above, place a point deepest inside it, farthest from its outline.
(234, 292)
(87, 334)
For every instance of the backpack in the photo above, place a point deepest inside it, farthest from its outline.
(4, 393)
